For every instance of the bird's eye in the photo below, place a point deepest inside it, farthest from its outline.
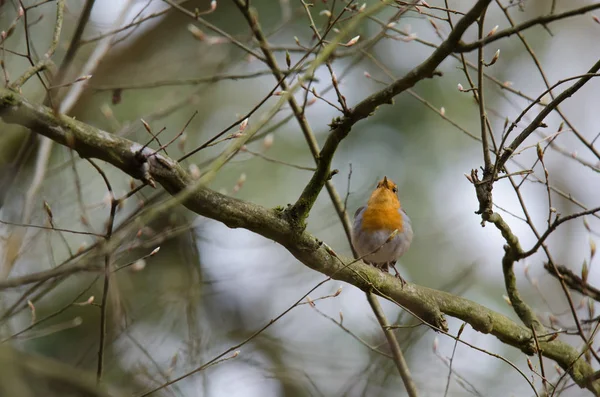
(395, 189)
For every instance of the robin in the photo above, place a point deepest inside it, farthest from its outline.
(374, 225)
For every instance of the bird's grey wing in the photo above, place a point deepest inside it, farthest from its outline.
(404, 215)
(358, 211)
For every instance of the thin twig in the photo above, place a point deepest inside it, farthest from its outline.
(398, 357)
(487, 162)
(107, 272)
(541, 360)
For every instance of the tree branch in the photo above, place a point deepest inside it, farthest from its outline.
(428, 304)
(543, 20)
(573, 281)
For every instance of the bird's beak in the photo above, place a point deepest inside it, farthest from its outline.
(385, 182)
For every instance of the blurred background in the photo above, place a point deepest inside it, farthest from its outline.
(210, 287)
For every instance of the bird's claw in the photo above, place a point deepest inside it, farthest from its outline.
(402, 281)
(398, 276)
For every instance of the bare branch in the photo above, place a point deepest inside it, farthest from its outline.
(543, 20)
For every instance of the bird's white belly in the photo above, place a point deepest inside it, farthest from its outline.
(367, 242)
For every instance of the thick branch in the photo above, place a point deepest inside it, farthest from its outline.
(86, 140)
(430, 305)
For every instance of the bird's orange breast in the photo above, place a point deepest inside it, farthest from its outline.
(382, 218)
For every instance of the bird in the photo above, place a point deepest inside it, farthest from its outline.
(373, 235)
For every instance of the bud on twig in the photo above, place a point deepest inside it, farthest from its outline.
(32, 308)
(494, 58)
(495, 28)
(82, 78)
(194, 171)
(586, 224)
(240, 182)
(196, 32)
(540, 152)
(243, 124)
(146, 126)
(268, 141)
(460, 330)
(48, 210)
(181, 142)
(584, 272)
(435, 26)
(138, 265)
(352, 41)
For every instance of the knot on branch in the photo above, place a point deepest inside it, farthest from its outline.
(528, 345)
(483, 324)
(295, 216)
(435, 73)
(150, 162)
(483, 190)
(335, 123)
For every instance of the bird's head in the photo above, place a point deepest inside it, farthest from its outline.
(385, 193)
